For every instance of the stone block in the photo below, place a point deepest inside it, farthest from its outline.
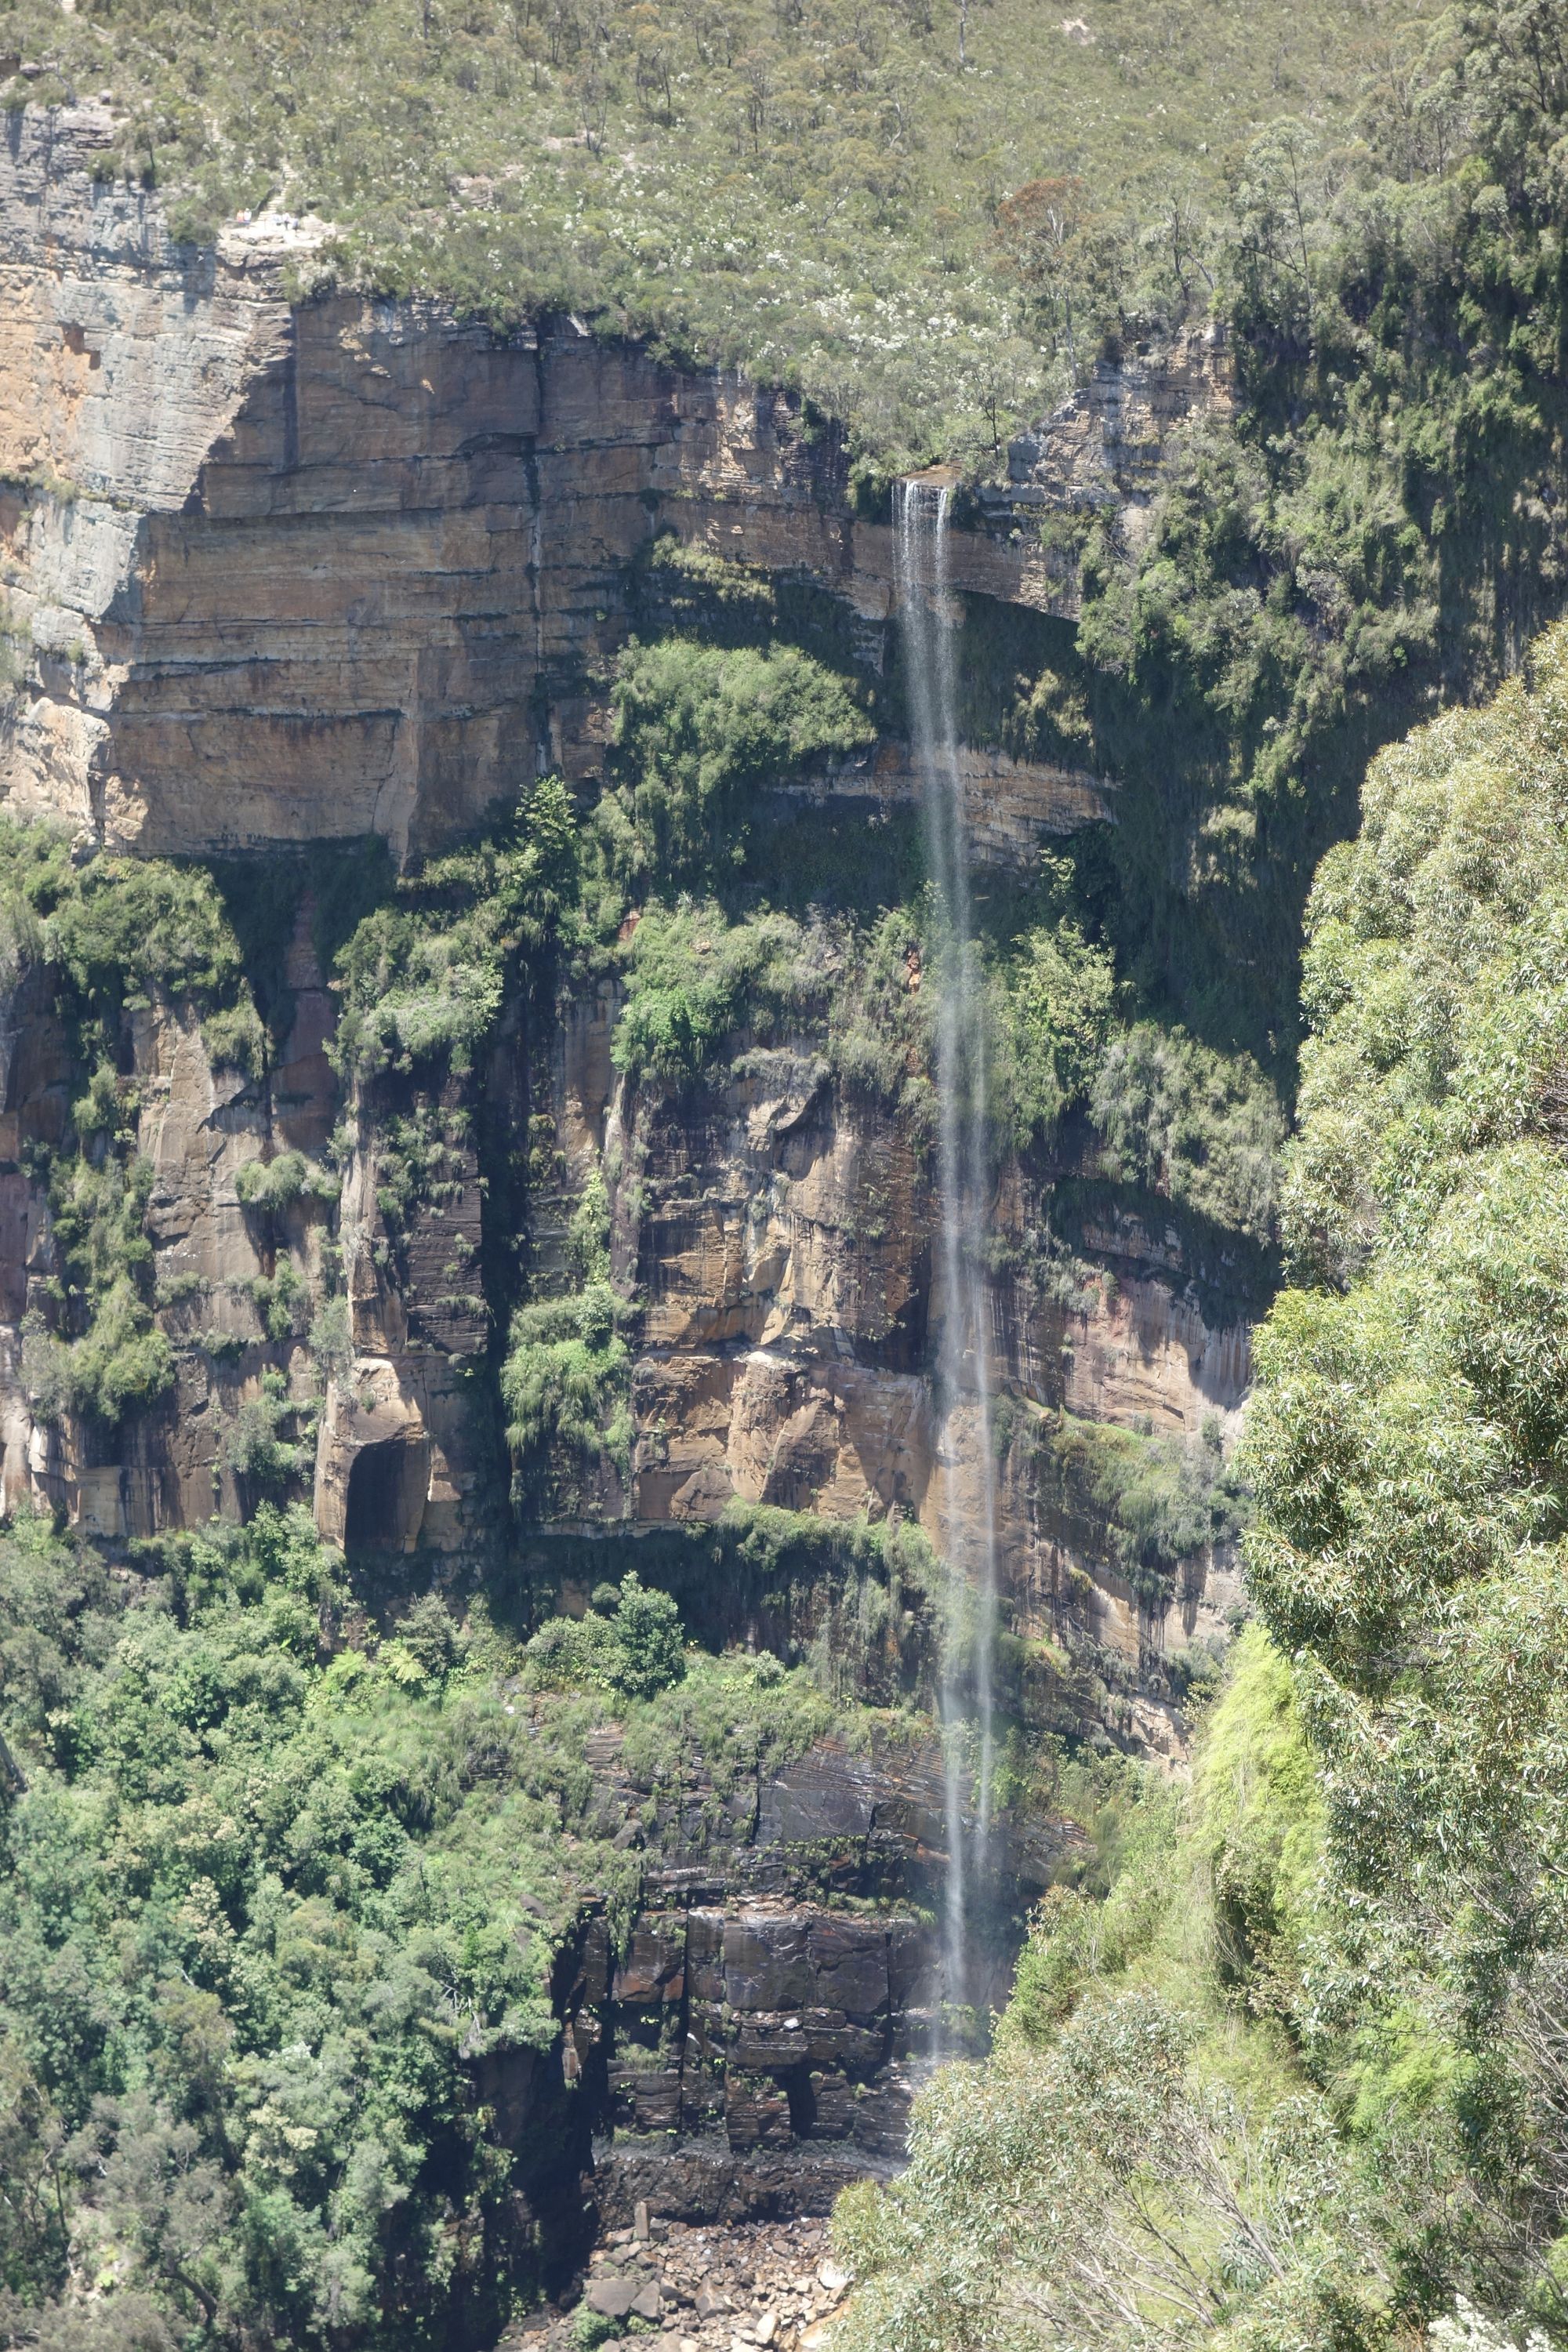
(756, 2113)
(612, 2297)
(767, 1964)
(654, 1969)
(849, 1963)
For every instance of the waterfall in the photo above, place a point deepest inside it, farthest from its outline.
(920, 539)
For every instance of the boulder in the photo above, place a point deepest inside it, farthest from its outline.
(614, 2298)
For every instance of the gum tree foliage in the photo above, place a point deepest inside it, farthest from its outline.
(1101, 2192)
(275, 1890)
(1408, 1437)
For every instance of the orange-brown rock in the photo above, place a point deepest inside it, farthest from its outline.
(279, 574)
(279, 571)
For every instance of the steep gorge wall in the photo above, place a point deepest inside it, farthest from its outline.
(281, 572)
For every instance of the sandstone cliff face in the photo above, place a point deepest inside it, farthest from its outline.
(779, 1235)
(1107, 445)
(277, 573)
(753, 2043)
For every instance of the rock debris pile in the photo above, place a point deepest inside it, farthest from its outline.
(692, 2288)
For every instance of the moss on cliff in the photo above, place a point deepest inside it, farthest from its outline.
(1161, 1503)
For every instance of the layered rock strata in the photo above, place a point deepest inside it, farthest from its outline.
(755, 2041)
(277, 571)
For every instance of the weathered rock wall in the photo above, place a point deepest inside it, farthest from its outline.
(279, 571)
(285, 571)
(753, 2043)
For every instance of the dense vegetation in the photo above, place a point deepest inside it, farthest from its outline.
(1376, 528)
(281, 1891)
(641, 164)
(281, 1873)
(1298, 2080)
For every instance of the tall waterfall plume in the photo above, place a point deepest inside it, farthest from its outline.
(920, 518)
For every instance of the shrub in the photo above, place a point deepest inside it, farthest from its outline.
(118, 934)
(1257, 1820)
(424, 977)
(647, 1632)
(1079, 1939)
(1058, 996)
(588, 1235)
(564, 1380)
(255, 1448)
(279, 1300)
(880, 1017)
(331, 1340)
(111, 1359)
(696, 725)
(429, 1633)
(1162, 1501)
(124, 927)
(694, 577)
(1204, 1128)
(693, 980)
(123, 1362)
(634, 1653)
(272, 1185)
(236, 1036)
(108, 1107)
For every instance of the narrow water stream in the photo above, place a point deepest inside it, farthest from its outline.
(964, 1372)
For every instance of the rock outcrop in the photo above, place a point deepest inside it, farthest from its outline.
(1107, 447)
(277, 571)
(753, 2043)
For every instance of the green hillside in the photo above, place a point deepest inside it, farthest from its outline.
(813, 189)
(1299, 2080)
